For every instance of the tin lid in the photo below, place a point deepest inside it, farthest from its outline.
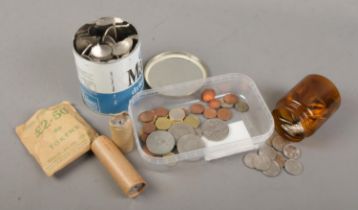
(169, 68)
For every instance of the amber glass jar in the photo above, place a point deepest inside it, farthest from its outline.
(306, 107)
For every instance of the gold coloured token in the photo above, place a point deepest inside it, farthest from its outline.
(163, 123)
(192, 120)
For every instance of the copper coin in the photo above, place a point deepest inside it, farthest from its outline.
(224, 114)
(231, 98)
(146, 116)
(143, 136)
(148, 127)
(197, 108)
(215, 104)
(160, 112)
(208, 95)
(209, 113)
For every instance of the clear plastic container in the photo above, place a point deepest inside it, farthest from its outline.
(248, 130)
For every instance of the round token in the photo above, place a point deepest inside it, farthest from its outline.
(278, 142)
(231, 98)
(224, 114)
(163, 123)
(262, 162)
(148, 127)
(160, 142)
(208, 95)
(225, 105)
(197, 108)
(249, 159)
(241, 106)
(146, 116)
(160, 112)
(294, 167)
(215, 103)
(180, 129)
(176, 114)
(291, 151)
(189, 142)
(280, 159)
(198, 131)
(274, 170)
(268, 151)
(192, 120)
(215, 129)
(209, 113)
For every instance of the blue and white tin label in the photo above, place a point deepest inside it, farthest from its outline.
(107, 87)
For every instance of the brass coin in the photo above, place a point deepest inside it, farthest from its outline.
(208, 95)
(224, 114)
(163, 123)
(192, 120)
(215, 104)
(209, 113)
(148, 127)
(177, 114)
(231, 98)
(197, 108)
(160, 112)
(146, 116)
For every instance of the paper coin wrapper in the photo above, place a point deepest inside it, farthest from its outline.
(58, 135)
(122, 131)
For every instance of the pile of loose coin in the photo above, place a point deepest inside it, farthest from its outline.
(275, 155)
(105, 39)
(178, 130)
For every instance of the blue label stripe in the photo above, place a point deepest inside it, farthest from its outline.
(110, 103)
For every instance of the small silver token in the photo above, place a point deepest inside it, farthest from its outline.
(249, 159)
(180, 129)
(291, 151)
(160, 142)
(225, 105)
(294, 167)
(189, 142)
(278, 142)
(177, 114)
(241, 106)
(101, 51)
(215, 129)
(274, 170)
(198, 131)
(268, 151)
(262, 162)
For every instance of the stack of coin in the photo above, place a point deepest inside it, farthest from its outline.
(275, 155)
(181, 129)
(105, 39)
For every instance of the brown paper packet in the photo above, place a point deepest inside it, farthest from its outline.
(56, 136)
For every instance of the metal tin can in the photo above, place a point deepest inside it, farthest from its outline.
(109, 75)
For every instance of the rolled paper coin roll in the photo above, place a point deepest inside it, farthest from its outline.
(122, 131)
(122, 171)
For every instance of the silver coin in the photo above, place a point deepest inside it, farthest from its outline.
(249, 159)
(189, 142)
(291, 151)
(160, 142)
(180, 129)
(198, 131)
(268, 151)
(278, 142)
(262, 162)
(215, 129)
(274, 170)
(225, 105)
(101, 51)
(177, 114)
(241, 106)
(294, 167)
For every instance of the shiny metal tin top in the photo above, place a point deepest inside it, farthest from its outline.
(169, 68)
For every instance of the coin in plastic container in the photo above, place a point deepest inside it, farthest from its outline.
(208, 95)
(146, 116)
(197, 108)
(189, 142)
(224, 114)
(160, 111)
(241, 106)
(177, 114)
(230, 98)
(180, 129)
(215, 129)
(192, 120)
(175, 67)
(214, 103)
(209, 113)
(163, 123)
(160, 142)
